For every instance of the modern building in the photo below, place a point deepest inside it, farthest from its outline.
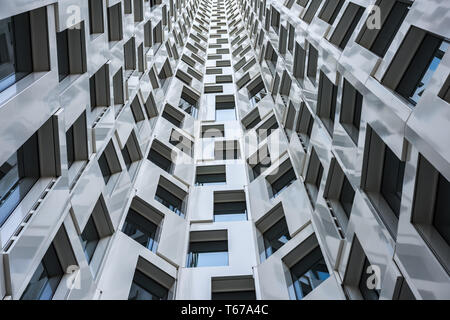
(224, 149)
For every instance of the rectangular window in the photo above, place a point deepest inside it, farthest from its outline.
(233, 288)
(96, 16)
(346, 197)
(104, 168)
(311, 11)
(382, 177)
(392, 180)
(15, 38)
(188, 105)
(313, 177)
(226, 150)
(89, 239)
(145, 288)
(115, 32)
(210, 175)
(70, 147)
(50, 271)
(161, 155)
(259, 161)
(311, 70)
(170, 196)
(230, 206)
(141, 229)
(309, 273)
(275, 237)
(346, 25)
(284, 181)
(392, 15)
(330, 10)
(421, 69)
(326, 102)
(208, 253)
(62, 46)
(351, 107)
(46, 278)
(173, 116)
(267, 128)
(18, 175)
(304, 125)
(213, 131)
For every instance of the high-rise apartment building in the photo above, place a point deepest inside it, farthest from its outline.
(224, 149)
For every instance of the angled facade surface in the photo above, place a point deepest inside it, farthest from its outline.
(224, 149)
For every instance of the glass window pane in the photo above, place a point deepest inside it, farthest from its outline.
(309, 273)
(145, 288)
(141, 230)
(208, 254)
(46, 278)
(89, 239)
(276, 237)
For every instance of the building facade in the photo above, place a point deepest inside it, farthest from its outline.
(224, 149)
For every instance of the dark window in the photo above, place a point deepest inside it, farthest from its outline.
(267, 128)
(311, 11)
(160, 160)
(234, 295)
(261, 166)
(422, 67)
(46, 278)
(230, 211)
(226, 150)
(441, 220)
(326, 102)
(145, 288)
(189, 107)
(313, 57)
(208, 254)
(15, 50)
(284, 181)
(309, 273)
(347, 25)
(257, 94)
(213, 131)
(126, 157)
(18, 175)
(275, 237)
(366, 292)
(330, 10)
(379, 40)
(70, 147)
(140, 229)
(347, 196)
(350, 117)
(104, 167)
(89, 239)
(210, 179)
(171, 119)
(63, 54)
(96, 16)
(169, 200)
(115, 32)
(392, 181)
